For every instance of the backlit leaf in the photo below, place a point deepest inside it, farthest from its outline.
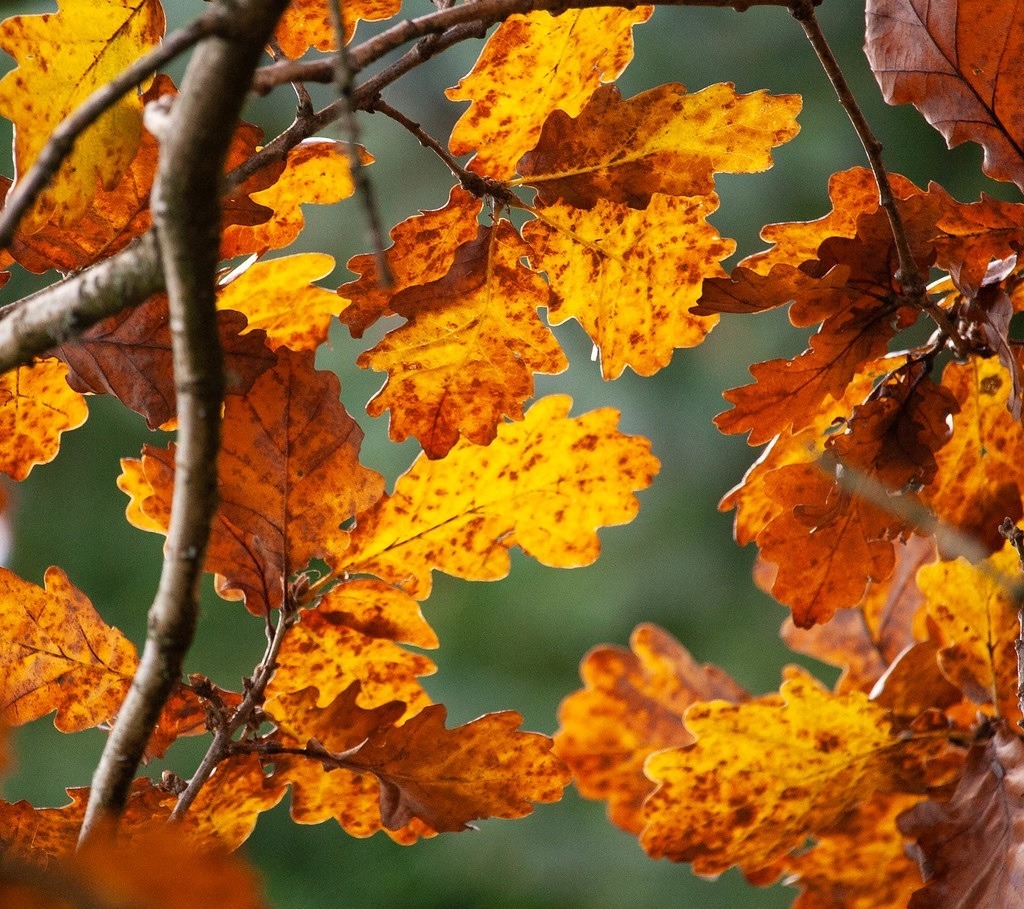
(36, 406)
(58, 654)
(467, 356)
(632, 705)
(976, 616)
(661, 141)
(531, 65)
(954, 61)
(62, 58)
(279, 296)
(307, 23)
(545, 484)
(765, 775)
(630, 277)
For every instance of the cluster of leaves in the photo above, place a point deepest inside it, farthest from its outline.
(875, 443)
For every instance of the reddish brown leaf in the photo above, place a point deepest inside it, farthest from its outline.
(129, 356)
(631, 706)
(660, 141)
(970, 847)
(466, 358)
(955, 61)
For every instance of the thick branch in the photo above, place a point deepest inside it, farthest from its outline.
(186, 212)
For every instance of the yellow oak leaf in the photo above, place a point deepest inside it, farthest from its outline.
(975, 612)
(62, 58)
(545, 484)
(631, 706)
(661, 141)
(36, 406)
(307, 23)
(629, 277)
(467, 356)
(766, 775)
(353, 635)
(316, 172)
(279, 296)
(58, 654)
(531, 65)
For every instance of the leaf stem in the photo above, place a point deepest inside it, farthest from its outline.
(909, 277)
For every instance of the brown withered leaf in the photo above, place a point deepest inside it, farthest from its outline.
(353, 635)
(434, 236)
(58, 654)
(545, 485)
(970, 848)
(955, 61)
(467, 355)
(630, 277)
(660, 141)
(980, 477)
(531, 65)
(289, 476)
(631, 705)
(764, 776)
(129, 356)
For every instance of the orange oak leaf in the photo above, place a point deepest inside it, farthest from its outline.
(969, 847)
(60, 63)
(975, 614)
(532, 65)
(974, 235)
(36, 406)
(58, 654)
(865, 641)
(354, 635)
(472, 344)
(279, 296)
(630, 277)
(307, 23)
(661, 141)
(423, 250)
(979, 481)
(225, 812)
(953, 61)
(893, 437)
(764, 776)
(129, 356)
(632, 705)
(545, 484)
(316, 172)
(186, 713)
(827, 544)
(860, 862)
(289, 477)
(425, 773)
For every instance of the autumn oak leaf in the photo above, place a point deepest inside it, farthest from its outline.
(632, 705)
(661, 141)
(545, 484)
(630, 277)
(307, 23)
(472, 344)
(532, 65)
(62, 58)
(765, 775)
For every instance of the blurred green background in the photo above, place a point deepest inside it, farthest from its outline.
(515, 643)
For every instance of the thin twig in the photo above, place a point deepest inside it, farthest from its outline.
(61, 142)
(344, 78)
(223, 744)
(909, 276)
(186, 214)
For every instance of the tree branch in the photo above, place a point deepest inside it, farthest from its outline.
(186, 213)
(61, 142)
(909, 276)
